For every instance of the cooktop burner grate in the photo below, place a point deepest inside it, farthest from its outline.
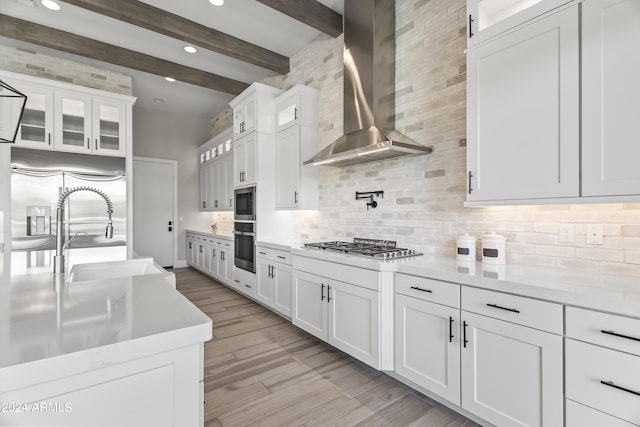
(380, 249)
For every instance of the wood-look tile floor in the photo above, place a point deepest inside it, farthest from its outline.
(260, 370)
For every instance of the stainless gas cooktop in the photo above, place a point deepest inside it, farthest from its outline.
(379, 249)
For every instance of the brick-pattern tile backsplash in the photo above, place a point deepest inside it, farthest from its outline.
(27, 62)
(424, 195)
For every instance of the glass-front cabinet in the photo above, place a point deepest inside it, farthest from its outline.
(108, 127)
(72, 122)
(36, 127)
(64, 117)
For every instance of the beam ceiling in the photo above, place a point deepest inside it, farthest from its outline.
(67, 42)
(160, 21)
(310, 12)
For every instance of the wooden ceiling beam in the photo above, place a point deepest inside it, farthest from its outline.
(19, 29)
(160, 21)
(310, 12)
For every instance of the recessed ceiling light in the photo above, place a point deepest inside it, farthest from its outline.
(216, 2)
(50, 4)
(190, 49)
(159, 101)
(170, 79)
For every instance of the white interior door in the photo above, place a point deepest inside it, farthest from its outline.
(153, 209)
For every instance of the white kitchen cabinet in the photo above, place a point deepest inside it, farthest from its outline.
(213, 256)
(345, 315)
(216, 173)
(273, 274)
(65, 117)
(245, 160)
(297, 106)
(109, 127)
(200, 253)
(579, 415)
(73, 122)
(253, 110)
(225, 261)
(522, 116)
(511, 373)
(610, 101)
(296, 184)
(488, 18)
(427, 347)
(245, 282)
(296, 141)
(602, 359)
(191, 249)
(36, 127)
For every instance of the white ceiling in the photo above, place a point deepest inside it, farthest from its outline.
(245, 19)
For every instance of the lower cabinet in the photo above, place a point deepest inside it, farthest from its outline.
(511, 374)
(344, 315)
(273, 274)
(245, 282)
(427, 346)
(211, 255)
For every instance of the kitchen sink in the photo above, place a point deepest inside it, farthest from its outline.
(115, 269)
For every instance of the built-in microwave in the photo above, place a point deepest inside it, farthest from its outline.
(245, 204)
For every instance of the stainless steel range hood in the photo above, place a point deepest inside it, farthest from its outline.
(369, 89)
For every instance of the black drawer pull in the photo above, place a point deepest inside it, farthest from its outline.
(513, 310)
(450, 329)
(464, 334)
(615, 334)
(322, 293)
(329, 293)
(262, 253)
(423, 290)
(282, 257)
(611, 384)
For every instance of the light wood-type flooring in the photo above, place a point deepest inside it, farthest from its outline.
(260, 370)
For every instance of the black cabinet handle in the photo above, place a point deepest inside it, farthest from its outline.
(295, 197)
(615, 334)
(423, 290)
(328, 294)
(262, 253)
(96, 144)
(470, 21)
(513, 310)
(49, 138)
(282, 257)
(464, 334)
(470, 176)
(322, 293)
(88, 144)
(237, 281)
(450, 329)
(611, 384)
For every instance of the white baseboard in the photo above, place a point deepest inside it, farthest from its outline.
(181, 263)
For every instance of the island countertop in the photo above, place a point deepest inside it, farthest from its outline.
(37, 322)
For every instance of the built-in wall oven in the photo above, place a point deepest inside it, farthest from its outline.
(245, 245)
(245, 204)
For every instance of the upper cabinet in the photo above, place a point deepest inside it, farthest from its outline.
(488, 18)
(64, 117)
(297, 106)
(296, 118)
(253, 110)
(552, 108)
(216, 173)
(522, 119)
(610, 101)
(36, 127)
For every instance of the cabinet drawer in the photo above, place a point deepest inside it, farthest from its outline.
(604, 379)
(579, 415)
(428, 289)
(524, 311)
(224, 244)
(275, 255)
(609, 330)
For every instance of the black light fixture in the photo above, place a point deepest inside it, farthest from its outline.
(10, 100)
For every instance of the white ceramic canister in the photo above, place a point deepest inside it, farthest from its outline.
(493, 248)
(466, 248)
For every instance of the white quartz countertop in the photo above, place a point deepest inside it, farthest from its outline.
(274, 245)
(208, 233)
(37, 322)
(616, 294)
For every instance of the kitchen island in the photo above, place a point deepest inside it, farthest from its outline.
(120, 351)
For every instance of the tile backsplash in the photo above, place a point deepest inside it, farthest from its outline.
(422, 207)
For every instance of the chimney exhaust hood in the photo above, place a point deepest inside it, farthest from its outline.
(369, 89)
